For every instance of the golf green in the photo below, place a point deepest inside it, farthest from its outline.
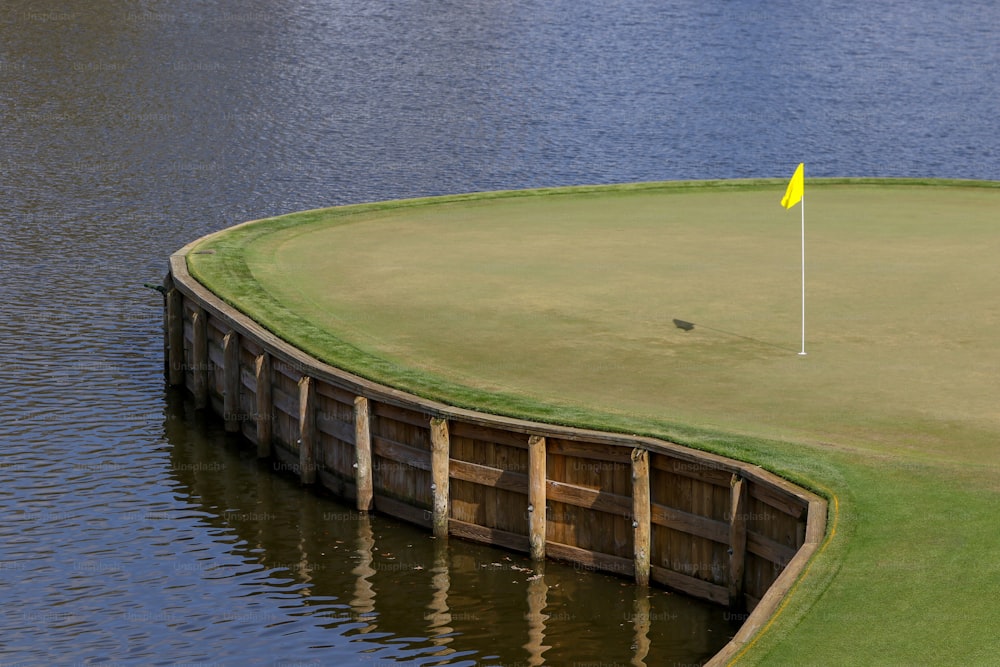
(674, 309)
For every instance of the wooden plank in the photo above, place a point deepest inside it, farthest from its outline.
(641, 515)
(494, 536)
(590, 450)
(759, 476)
(712, 472)
(588, 498)
(215, 353)
(684, 583)
(175, 337)
(687, 522)
(816, 523)
(231, 388)
(265, 408)
(307, 431)
(284, 402)
(760, 574)
(248, 380)
(591, 560)
(769, 550)
(335, 428)
(459, 429)
(779, 499)
(462, 505)
(621, 532)
(536, 496)
(335, 455)
(248, 429)
(494, 458)
(411, 417)
(511, 511)
(286, 460)
(394, 451)
(334, 392)
(701, 499)
(401, 510)
(440, 455)
(498, 511)
(363, 454)
(164, 289)
(292, 371)
(340, 487)
(489, 477)
(199, 358)
(737, 542)
(252, 347)
(217, 328)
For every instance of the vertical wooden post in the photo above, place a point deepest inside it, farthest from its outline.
(536, 496)
(231, 384)
(641, 514)
(262, 372)
(440, 463)
(307, 430)
(199, 358)
(175, 337)
(363, 454)
(168, 285)
(737, 541)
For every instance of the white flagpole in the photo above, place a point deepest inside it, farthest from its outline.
(802, 203)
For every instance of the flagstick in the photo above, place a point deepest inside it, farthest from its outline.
(802, 203)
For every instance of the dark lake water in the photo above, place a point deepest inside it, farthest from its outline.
(132, 532)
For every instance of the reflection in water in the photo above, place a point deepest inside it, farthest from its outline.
(370, 581)
(439, 615)
(306, 527)
(363, 602)
(641, 620)
(536, 617)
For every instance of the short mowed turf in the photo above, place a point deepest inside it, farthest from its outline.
(674, 310)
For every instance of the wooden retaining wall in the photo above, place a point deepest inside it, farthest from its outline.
(712, 527)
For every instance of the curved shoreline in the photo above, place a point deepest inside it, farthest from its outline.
(221, 355)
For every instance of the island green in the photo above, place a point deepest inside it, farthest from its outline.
(674, 310)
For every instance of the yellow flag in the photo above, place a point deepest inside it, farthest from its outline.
(796, 187)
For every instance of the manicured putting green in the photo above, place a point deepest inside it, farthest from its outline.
(560, 305)
(679, 304)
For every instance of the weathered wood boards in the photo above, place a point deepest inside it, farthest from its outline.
(711, 527)
(307, 430)
(264, 403)
(536, 496)
(363, 454)
(231, 391)
(440, 456)
(641, 515)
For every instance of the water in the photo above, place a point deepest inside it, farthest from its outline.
(134, 533)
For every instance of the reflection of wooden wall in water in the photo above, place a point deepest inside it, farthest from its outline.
(709, 526)
(373, 601)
